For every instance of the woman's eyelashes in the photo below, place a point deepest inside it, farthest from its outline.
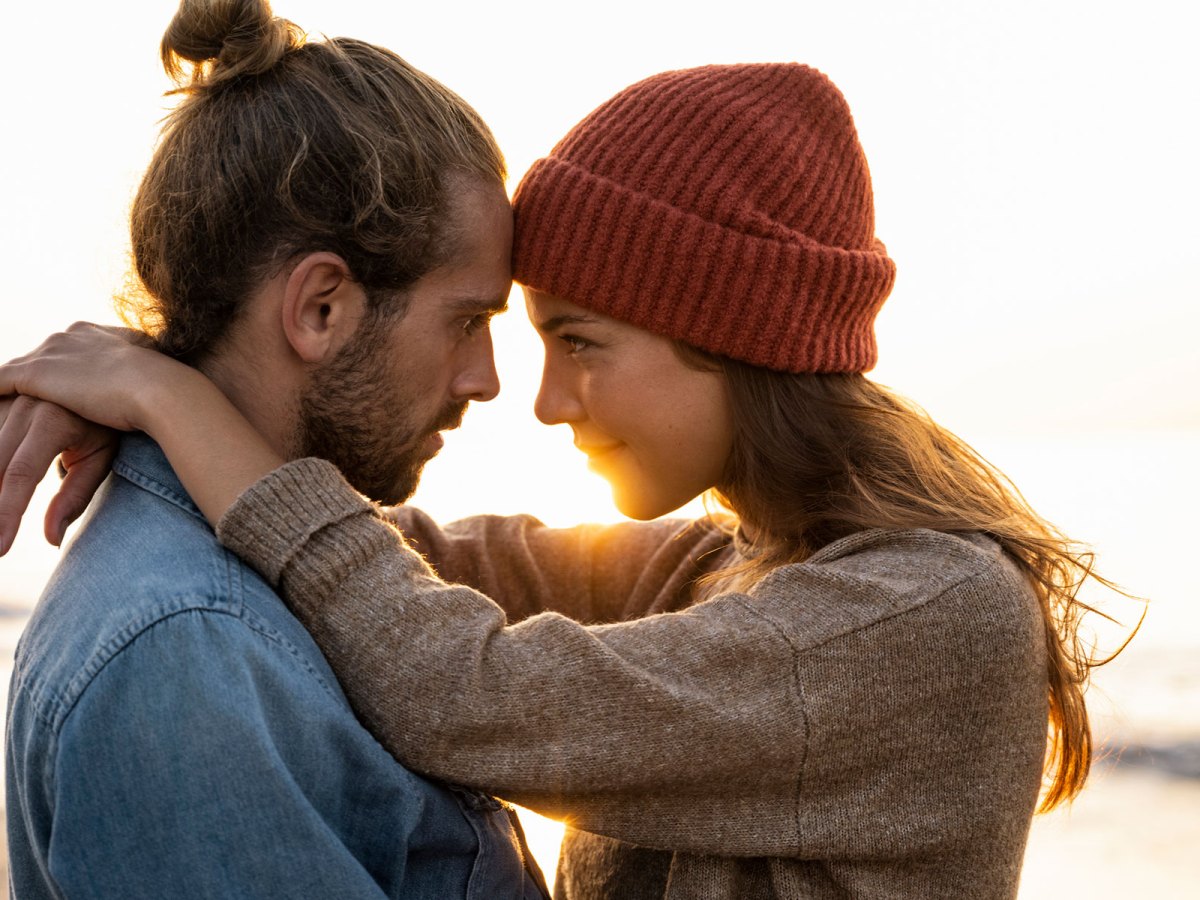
(575, 344)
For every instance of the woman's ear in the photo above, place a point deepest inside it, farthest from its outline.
(322, 306)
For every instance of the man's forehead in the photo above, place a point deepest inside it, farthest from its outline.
(480, 210)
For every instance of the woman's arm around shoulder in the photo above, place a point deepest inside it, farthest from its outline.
(591, 573)
(682, 729)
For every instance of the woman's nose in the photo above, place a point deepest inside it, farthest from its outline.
(557, 398)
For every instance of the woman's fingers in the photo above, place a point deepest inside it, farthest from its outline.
(24, 374)
(19, 472)
(128, 335)
(33, 434)
(99, 372)
(84, 476)
(9, 374)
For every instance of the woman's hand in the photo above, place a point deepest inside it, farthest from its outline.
(32, 433)
(108, 375)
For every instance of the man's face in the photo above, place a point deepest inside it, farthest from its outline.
(376, 409)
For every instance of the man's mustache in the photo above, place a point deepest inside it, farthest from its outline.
(452, 418)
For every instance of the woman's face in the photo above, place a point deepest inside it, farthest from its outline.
(657, 430)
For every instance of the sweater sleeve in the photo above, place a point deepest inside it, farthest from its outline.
(590, 573)
(884, 699)
(695, 749)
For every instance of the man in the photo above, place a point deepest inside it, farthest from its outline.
(324, 232)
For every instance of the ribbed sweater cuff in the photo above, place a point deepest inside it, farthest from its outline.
(276, 518)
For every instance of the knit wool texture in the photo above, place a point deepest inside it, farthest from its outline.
(869, 723)
(729, 207)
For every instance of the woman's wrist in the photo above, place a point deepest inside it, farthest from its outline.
(213, 448)
(167, 395)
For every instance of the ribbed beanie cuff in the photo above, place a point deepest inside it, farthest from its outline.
(728, 207)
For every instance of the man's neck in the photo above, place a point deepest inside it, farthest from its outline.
(259, 393)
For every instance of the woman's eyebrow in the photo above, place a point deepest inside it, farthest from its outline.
(556, 322)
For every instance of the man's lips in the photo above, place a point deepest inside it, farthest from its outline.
(448, 423)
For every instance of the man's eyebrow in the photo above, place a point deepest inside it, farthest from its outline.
(494, 305)
(556, 322)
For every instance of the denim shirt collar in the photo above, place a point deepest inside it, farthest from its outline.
(141, 461)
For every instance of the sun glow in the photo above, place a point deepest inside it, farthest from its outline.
(544, 837)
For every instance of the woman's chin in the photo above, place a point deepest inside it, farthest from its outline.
(644, 507)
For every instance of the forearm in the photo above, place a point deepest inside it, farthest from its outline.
(591, 573)
(109, 376)
(596, 723)
(213, 449)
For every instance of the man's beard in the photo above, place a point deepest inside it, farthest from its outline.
(354, 415)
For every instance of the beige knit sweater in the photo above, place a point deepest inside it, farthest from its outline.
(870, 723)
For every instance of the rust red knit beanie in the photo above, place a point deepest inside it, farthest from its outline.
(726, 206)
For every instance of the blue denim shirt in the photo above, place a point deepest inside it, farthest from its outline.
(174, 732)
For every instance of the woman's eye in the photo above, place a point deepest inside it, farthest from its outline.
(574, 344)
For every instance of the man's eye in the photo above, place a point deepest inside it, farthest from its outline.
(476, 323)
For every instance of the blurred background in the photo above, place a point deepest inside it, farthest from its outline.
(1035, 179)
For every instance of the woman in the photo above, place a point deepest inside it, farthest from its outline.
(844, 691)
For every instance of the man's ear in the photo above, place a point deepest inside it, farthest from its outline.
(322, 306)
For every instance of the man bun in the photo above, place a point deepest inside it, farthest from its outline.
(282, 146)
(211, 42)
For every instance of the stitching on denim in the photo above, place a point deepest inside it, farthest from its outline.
(60, 708)
(156, 487)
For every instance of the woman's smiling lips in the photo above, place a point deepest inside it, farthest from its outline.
(595, 452)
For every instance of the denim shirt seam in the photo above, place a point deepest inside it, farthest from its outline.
(52, 709)
(123, 468)
(233, 568)
(260, 627)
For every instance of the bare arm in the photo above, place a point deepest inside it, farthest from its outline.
(108, 375)
(105, 375)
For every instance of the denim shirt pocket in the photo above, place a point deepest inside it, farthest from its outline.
(503, 866)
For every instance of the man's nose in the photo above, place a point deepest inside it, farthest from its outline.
(478, 379)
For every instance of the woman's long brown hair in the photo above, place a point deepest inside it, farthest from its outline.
(820, 457)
